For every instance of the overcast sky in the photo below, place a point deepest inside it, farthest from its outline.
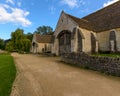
(29, 14)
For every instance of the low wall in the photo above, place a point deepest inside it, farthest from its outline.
(106, 65)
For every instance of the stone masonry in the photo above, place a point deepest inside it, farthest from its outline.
(108, 65)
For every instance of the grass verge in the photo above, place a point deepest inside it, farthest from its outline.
(7, 74)
(114, 55)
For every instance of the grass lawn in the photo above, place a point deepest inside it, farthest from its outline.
(108, 55)
(7, 74)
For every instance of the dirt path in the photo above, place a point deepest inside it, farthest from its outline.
(45, 76)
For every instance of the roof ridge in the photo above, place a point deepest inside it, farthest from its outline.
(76, 17)
(84, 20)
(72, 16)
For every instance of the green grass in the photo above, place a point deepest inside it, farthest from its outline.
(108, 55)
(7, 74)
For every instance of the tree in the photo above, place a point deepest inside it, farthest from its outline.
(2, 44)
(43, 30)
(19, 42)
(16, 38)
(9, 46)
(26, 44)
(29, 36)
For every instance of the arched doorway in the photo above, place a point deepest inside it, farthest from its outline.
(64, 42)
(112, 40)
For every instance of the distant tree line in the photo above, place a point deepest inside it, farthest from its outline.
(44, 30)
(20, 42)
(2, 44)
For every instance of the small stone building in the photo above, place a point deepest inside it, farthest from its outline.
(41, 43)
(99, 31)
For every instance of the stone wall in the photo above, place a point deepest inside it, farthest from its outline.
(64, 23)
(87, 40)
(106, 65)
(40, 48)
(118, 39)
(103, 40)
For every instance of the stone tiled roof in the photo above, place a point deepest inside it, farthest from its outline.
(106, 18)
(101, 20)
(44, 38)
(81, 22)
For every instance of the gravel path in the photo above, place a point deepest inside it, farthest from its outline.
(46, 76)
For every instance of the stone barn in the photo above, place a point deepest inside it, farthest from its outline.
(99, 31)
(41, 43)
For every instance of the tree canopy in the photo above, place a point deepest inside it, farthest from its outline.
(29, 36)
(19, 42)
(43, 30)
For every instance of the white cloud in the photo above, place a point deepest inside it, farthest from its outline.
(72, 3)
(10, 1)
(13, 15)
(109, 2)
